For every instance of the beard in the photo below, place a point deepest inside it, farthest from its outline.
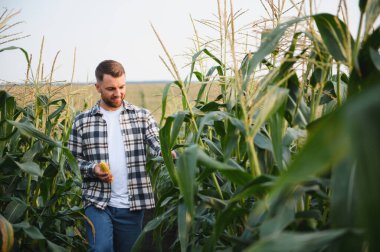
(115, 102)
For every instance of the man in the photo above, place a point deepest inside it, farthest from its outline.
(117, 133)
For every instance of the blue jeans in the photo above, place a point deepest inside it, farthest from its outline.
(116, 229)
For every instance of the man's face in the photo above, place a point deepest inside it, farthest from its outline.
(112, 91)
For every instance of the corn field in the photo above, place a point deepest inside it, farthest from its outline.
(284, 158)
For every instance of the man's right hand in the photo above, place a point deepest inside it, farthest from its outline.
(103, 176)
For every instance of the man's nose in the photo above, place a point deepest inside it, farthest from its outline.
(117, 92)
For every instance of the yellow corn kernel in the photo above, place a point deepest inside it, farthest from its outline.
(104, 167)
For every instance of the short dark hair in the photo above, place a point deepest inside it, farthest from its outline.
(111, 67)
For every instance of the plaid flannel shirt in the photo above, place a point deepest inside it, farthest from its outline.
(88, 143)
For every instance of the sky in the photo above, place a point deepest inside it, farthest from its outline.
(119, 30)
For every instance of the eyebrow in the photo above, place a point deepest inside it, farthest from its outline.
(120, 86)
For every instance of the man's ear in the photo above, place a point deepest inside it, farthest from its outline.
(97, 86)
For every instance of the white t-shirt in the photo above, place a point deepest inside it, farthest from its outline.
(117, 159)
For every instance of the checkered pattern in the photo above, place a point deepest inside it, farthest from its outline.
(88, 143)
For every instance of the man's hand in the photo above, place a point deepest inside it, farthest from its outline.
(103, 176)
(173, 153)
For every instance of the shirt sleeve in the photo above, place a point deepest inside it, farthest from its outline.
(152, 137)
(86, 167)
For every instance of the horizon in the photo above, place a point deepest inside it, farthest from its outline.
(132, 82)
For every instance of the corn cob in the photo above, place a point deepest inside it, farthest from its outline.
(105, 168)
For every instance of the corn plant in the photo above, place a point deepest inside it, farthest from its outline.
(40, 197)
(282, 162)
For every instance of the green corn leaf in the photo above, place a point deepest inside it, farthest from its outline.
(7, 112)
(297, 112)
(336, 37)
(209, 119)
(164, 101)
(211, 106)
(30, 167)
(152, 225)
(204, 80)
(375, 57)
(51, 171)
(255, 188)
(328, 92)
(344, 195)
(267, 46)
(178, 120)
(371, 8)
(215, 203)
(33, 151)
(278, 221)
(17, 48)
(263, 142)
(200, 93)
(199, 76)
(356, 138)
(31, 231)
(72, 161)
(277, 73)
(343, 206)
(186, 166)
(165, 138)
(314, 159)
(29, 130)
(363, 5)
(225, 218)
(54, 247)
(214, 148)
(34, 233)
(365, 134)
(56, 113)
(7, 106)
(230, 141)
(366, 71)
(273, 100)
(321, 69)
(14, 211)
(232, 173)
(277, 124)
(197, 54)
(296, 242)
(184, 224)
